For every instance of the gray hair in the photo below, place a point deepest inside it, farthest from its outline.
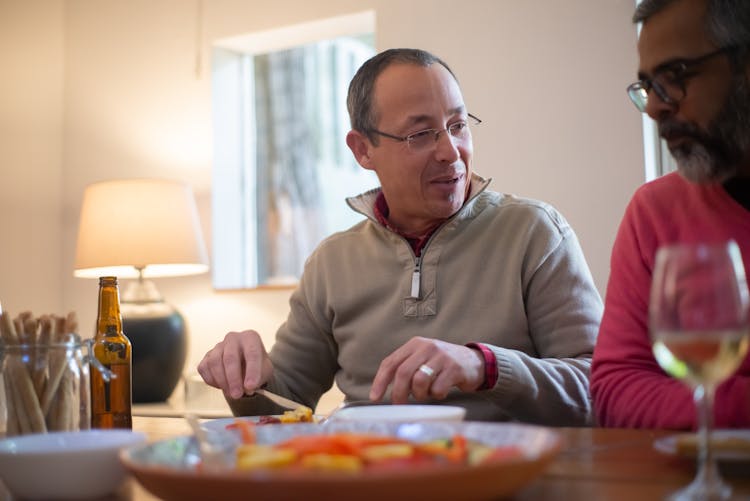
(359, 99)
(727, 23)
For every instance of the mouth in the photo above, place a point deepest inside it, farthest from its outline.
(447, 180)
(675, 141)
(678, 135)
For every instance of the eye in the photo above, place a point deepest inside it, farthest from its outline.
(644, 86)
(457, 128)
(420, 136)
(673, 74)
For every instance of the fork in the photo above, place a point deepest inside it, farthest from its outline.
(212, 457)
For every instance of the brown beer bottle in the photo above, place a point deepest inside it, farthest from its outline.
(111, 400)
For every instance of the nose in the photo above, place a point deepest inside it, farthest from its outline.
(656, 107)
(446, 147)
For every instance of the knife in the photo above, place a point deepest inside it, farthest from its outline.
(279, 400)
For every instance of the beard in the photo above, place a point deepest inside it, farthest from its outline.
(716, 153)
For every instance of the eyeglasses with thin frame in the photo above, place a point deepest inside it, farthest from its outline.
(427, 138)
(668, 81)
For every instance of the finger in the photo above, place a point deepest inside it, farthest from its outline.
(205, 372)
(460, 367)
(257, 363)
(211, 368)
(422, 381)
(403, 363)
(403, 382)
(441, 385)
(386, 373)
(381, 381)
(450, 375)
(233, 365)
(398, 368)
(244, 362)
(227, 365)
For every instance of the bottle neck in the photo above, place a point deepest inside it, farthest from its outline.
(109, 318)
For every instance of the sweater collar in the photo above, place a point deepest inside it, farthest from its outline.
(365, 202)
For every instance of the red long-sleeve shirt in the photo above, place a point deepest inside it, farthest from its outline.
(628, 386)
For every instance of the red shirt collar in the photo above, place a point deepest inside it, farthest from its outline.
(417, 242)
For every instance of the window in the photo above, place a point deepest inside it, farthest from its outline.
(658, 160)
(281, 165)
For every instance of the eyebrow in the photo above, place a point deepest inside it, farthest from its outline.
(417, 119)
(661, 67)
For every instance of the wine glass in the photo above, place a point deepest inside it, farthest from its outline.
(698, 316)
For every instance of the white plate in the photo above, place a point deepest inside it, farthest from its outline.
(728, 445)
(403, 413)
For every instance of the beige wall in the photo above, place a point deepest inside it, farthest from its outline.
(546, 76)
(31, 85)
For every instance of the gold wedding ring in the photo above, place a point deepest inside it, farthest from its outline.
(426, 370)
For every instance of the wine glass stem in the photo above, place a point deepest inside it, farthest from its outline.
(708, 472)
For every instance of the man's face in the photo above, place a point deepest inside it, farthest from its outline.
(427, 186)
(708, 130)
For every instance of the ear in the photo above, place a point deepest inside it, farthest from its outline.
(360, 146)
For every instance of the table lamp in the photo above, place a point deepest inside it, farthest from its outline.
(143, 228)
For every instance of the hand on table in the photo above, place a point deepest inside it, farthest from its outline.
(427, 368)
(237, 365)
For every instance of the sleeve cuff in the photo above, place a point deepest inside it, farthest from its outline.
(490, 365)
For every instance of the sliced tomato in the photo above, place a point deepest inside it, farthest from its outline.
(246, 429)
(454, 450)
(343, 443)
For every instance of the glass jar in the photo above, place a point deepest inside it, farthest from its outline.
(46, 387)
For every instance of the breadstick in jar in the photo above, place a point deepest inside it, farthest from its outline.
(24, 397)
(57, 363)
(41, 370)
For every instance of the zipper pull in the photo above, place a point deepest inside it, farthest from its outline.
(415, 278)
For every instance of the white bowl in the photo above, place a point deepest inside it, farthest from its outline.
(406, 413)
(65, 465)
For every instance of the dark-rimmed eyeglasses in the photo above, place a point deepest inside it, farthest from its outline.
(424, 139)
(668, 80)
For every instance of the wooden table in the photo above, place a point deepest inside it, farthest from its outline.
(594, 464)
(614, 464)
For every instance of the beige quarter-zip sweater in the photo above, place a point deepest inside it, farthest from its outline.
(504, 271)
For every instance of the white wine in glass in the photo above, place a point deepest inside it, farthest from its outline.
(698, 317)
(701, 357)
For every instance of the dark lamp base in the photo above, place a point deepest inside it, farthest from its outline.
(159, 340)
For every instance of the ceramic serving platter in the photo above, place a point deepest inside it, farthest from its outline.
(169, 470)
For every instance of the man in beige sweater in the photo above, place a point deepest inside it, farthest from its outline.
(446, 293)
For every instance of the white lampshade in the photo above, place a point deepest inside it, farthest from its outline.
(146, 224)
